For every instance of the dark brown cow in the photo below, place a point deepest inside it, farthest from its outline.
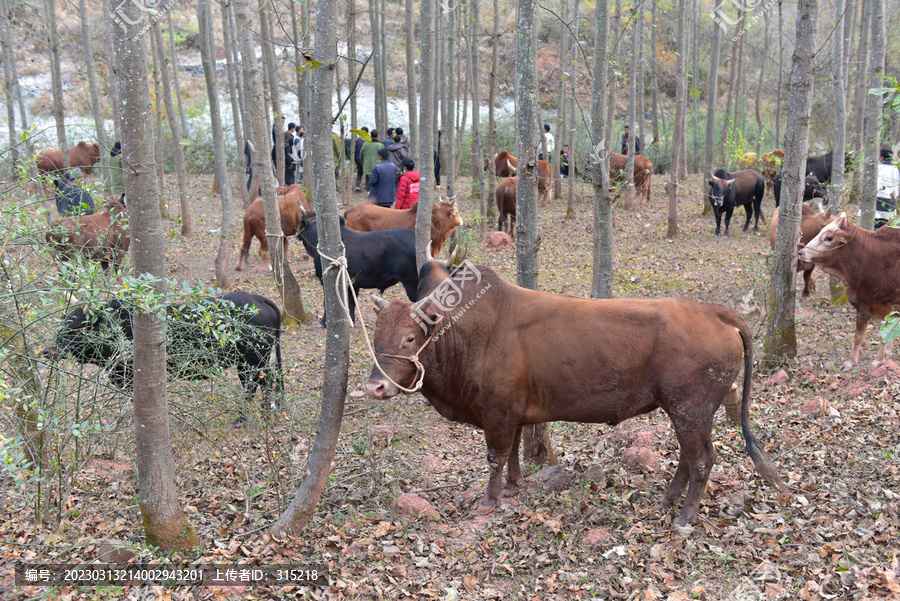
(506, 166)
(101, 237)
(293, 207)
(869, 265)
(643, 172)
(505, 195)
(82, 155)
(445, 218)
(498, 357)
(811, 223)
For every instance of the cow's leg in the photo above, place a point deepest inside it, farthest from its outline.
(514, 478)
(500, 222)
(264, 250)
(697, 458)
(749, 209)
(718, 214)
(728, 213)
(499, 441)
(512, 227)
(859, 337)
(809, 284)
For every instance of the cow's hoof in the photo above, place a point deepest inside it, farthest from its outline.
(848, 366)
(485, 507)
(322, 324)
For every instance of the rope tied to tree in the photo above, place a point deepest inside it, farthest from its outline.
(343, 276)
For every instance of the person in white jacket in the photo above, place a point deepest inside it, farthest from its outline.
(888, 189)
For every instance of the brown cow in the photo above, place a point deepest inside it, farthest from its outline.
(869, 265)
(101, 237)
(506, 166)
(811, 223)
(445, 218)
(499, 357)
(291, 204)
(82, 155)
(643, 172)
(505, 195)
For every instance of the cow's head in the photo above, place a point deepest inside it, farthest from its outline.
(402, 330)
(447, 213)
(718, 189)
(833, 236)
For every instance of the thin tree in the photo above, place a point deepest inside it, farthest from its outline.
(654, 69)
(233, 93)
(337, 345)
(492, 98)
(874, 112)
(448, 161)
(678, 156)
(56, 81)
(759, 86)
(712, 97)
(165, 525)
(111, 75)
(632, 127)
(781, 330)
(561, 137)
(780, 94)
(207, 57)
(572, 119)
(426, 133)
(862, 73)
(733, 81)
(271, 70)
(535, 438)
(478, 146)
(255, 126)
(92, 86)
(604, 257)
(9, 84)
(175, 82)
(186, 219)
(840, 110)
(411, 80)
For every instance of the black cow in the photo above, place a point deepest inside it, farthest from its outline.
(812, 189)
(238, 329)
(727, 190)
(376, 260)
(821, 166)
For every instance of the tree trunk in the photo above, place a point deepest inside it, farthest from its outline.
(92, 85)
(9, 84)
(535, 439)
(337, 345)
(654, 68)
(632, 128)
(573, 119)
(278, 127)
(778, 141)
(448, 165)
(181, 119)
(840, 111)
(733, 82)
(678, 136)
(257, 132)
(604, 257)
(874, 113)
(376, 66)
(759, 86)
(478, 160)
(712, 97)
(56, 79)
(158, 147)
(411, 80)
(111, 74)
(862, 73)
(165, 525)
(781, 331)
(492, 99)
(233, 94)
(186, 219)
(426, 135)
(561, 112)
(208, 56)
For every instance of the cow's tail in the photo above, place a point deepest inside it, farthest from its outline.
(279, 372)
(760, 458)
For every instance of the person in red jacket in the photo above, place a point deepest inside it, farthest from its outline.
(408, 186)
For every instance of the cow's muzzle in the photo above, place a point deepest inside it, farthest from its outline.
(380, 389)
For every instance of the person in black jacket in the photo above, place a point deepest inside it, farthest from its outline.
(638, 147)
(71, 198)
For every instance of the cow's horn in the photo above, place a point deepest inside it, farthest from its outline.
(511, 166)
(380, 302)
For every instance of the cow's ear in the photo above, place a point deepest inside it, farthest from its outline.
(827, 213)
(842, 221)
(380, 304)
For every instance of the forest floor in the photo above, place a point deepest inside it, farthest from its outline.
(592, 530)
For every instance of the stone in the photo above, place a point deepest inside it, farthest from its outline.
(779, 377)
(554, 477)
(596, 536)
(385, 432)
(595, 473)
(499, 240)
(413, 505)
(640, 458)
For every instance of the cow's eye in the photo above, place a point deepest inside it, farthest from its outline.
(411, 339)
(828, 238)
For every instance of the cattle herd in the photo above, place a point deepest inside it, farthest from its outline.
(515, 357)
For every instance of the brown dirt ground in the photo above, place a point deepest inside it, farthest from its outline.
(834, 536)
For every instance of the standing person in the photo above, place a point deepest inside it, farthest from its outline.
(299, 143)
(71, 198)
(289, 164)
(549, 143)
(116, 175)
(638, 148)
(404, 139)
(888, 189)
(358, 159)
(248, 147)
(275, 137)
(383, 181)
(397, 151)
(390, 134)
(408, 186)
(369, 155)
(437, 163)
